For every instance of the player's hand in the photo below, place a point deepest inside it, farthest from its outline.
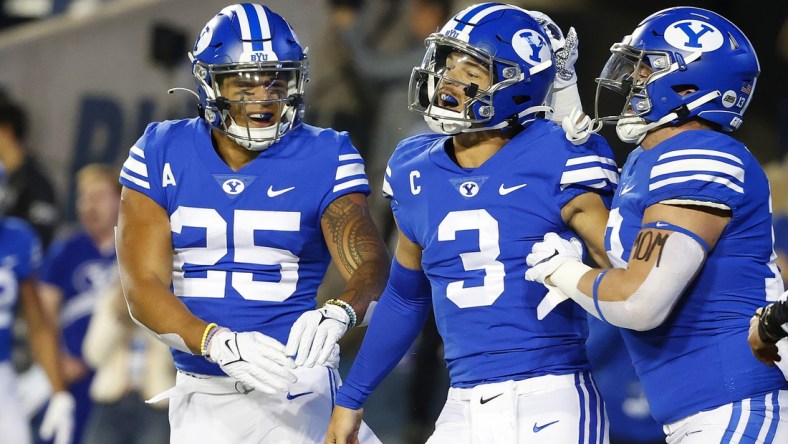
(258, 361)
(315, 333)
(577, 126)
(551, 253)
(58, 422)
(344, 426)
(565, 50)
(765, 352)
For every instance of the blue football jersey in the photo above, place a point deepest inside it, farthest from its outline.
(708, 327)
(83, 274)
(249, 252)
(476, 226)
(20, 254)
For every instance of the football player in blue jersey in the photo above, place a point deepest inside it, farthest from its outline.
(689, 232)
(469, 202)
(227, 225)
(20, 254)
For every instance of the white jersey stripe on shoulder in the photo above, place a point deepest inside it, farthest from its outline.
(586, 174)
(137, 152)
(387, 190)
(699, 165)
(136, 167)
(700, 152)
(350, 184)
(388, 171)
(703, 177)
(343, 157)
(351, 169)
(589, 159)
(134, 180)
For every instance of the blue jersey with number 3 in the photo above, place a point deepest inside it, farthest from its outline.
(248, 249)
(699, 359)
(476, 226)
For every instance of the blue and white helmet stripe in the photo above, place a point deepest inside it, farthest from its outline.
(469, 17)
(255, 30)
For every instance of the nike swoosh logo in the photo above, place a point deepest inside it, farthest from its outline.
(227, 344)
(485, 401)
(555, 253)
(503, 191)
(627, 189)
(274, 193)
(297, 395)
(539, 428)
(661, 225)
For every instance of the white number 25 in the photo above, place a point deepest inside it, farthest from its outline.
(246, 222)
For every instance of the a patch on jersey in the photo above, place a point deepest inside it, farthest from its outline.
(694, 35)
(232, 184)
(531, 46)
(468, 186)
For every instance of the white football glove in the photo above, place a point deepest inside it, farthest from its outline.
(58, 422)
(551, 253)
(577, 126)
(257, 360)
(564, 49)
(315, 333)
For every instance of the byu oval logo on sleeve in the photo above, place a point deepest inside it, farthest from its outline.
(694, 35)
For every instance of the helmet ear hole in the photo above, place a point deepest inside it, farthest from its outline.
(519, 100)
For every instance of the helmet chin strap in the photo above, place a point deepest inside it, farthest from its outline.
(634, 129)
(453, 127)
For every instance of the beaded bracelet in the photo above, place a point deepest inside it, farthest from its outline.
(206, 334)
(348, 309)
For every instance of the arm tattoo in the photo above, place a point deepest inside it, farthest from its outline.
(361, 252)
(646, 243)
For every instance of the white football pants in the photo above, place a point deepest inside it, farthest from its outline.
(217, 410)
(547, 409)
(13, 423)
(759, 420)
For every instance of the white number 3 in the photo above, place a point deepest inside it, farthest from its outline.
(484, 259)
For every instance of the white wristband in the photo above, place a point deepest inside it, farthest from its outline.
(568, 275)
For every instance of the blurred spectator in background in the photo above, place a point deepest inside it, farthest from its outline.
(131, 366)
(20, 254)
(386, 73)
(80, 268)
(30, 193)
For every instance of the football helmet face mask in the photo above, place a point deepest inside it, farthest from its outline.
(680, 63)
(490, 67)
(257, 52)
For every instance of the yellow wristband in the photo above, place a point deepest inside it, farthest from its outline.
(204, 340)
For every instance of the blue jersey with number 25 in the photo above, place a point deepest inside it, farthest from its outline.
(248, 249)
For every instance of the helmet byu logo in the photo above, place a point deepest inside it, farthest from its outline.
(531, 46)
(694, 35)
(204, 40)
